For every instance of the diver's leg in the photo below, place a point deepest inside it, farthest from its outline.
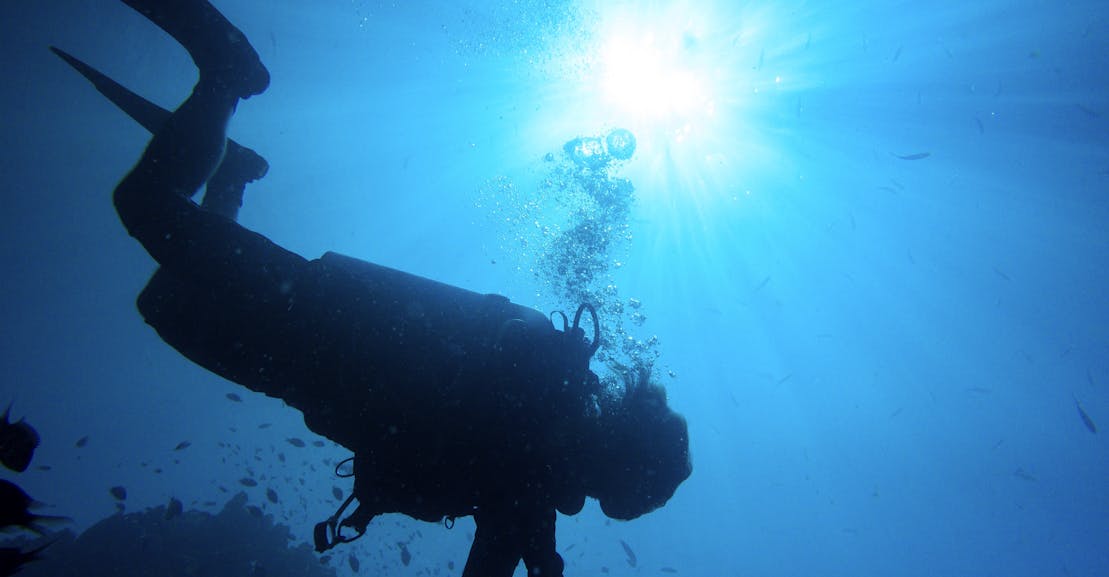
(496, 550)
(153, 199)
(178, 160)
(218, 48)
(223, 193)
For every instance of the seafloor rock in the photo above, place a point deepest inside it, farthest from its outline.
(232, 543)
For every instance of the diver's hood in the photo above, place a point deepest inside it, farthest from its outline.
(648, 459)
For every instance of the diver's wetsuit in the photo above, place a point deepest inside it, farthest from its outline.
(454, 403)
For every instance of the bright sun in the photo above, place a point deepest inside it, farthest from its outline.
(646, 76)
(652, 72)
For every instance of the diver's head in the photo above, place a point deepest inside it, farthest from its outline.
(644, 453)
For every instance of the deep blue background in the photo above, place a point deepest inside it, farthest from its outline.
(879, 358)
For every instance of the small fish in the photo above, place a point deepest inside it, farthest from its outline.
(1020, 473)
(271, 495)
(353, 562)
(632, 561)
(248, 482)
(12, 559)
(668, 570)
(1090, 112)
(897, 54)
(234, 397)
(1086, 420)
(119, 492)
(15, 509)
(254, 510)
(317, 443)
(18, 441)
(82, 442)
(337, 493)
(174, 509)
(405, 556)
(265, 425)
(295, 442)
(914, 156)
(182, 446)
(981, 127)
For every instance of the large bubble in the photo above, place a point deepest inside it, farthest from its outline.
(620, 144)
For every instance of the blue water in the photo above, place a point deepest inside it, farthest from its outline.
(879, 357)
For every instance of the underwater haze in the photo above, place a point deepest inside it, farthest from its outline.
(864, 245)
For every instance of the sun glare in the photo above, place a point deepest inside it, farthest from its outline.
(646, 77)
(701, 85)
(651, 71)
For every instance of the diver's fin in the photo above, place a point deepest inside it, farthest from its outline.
(149, 115)
(248, 164)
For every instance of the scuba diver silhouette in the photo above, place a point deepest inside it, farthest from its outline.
(454, 403)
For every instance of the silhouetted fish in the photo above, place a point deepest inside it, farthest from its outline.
(182, 445)
(15, 509)
(119, 492)
(668, 570)
(337, 493)
(248, 482)
(632, 561)
(82, 442)
(271, 495)
(317, 443)
(234, 397)
(295, 442)
(12, 559)
(353, 561)
(914, 156)
(17, 442)
(264, 426)
(1086, 420)
(405, 556)
(174, 509)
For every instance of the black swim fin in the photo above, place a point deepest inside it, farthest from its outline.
(152, 117)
